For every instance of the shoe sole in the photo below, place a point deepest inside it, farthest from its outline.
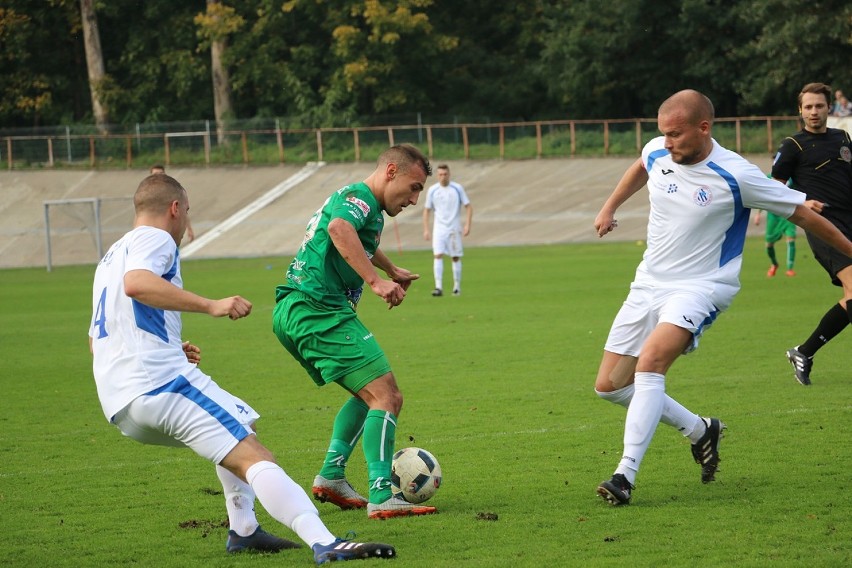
(610, 497)
(375, 551)
(391, 513)
(325, 496)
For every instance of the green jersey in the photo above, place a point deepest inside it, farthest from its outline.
(318, 270)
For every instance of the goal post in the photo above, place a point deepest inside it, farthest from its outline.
(76, 228)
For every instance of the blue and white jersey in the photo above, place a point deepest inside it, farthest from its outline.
(699, 216)
(446, 203)
(136, 348)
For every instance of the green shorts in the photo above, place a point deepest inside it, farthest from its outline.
(330, 343)
(777, 227)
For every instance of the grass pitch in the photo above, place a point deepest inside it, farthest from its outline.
(498, 384)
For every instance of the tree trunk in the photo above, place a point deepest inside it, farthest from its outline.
(222, 107)
(94, 62)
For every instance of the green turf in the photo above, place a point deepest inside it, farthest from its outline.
(497, 384)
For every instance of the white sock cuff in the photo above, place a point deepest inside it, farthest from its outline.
(620, 396)
(258, 468)
(646, 380)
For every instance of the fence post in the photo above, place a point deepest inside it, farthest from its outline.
(9, 151)
(606, 138)
(129, 151)
(638, 136)
(244, 142)
(207, 147)
(357, 142)
(538, 140)
(166, 149)
(279, 139)
(429, 141)
(92, 151)
(769, 145)
(390, 136)
(739, 138)
(465, 142)
(502, 141)
(49, 152)
(319, 144)
(573, 130)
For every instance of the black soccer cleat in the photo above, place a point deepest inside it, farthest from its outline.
(706, 450)
(801, 365)
(616, 491)
(259, 540)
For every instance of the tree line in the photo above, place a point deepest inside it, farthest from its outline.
(335, 62)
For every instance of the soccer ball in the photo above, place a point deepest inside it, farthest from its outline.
(415, 475)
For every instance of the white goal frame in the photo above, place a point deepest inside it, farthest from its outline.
(96, 209)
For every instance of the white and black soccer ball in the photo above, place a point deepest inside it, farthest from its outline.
(415, 475)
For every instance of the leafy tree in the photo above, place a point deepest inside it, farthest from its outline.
(795, 43)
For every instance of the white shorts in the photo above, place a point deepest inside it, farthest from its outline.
(647, 306)
(192, 412)
(448, 243)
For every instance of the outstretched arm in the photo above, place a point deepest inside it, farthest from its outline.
(632, 181)
(148, 288)
(816, 224)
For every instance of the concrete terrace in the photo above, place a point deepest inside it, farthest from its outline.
(262, 211)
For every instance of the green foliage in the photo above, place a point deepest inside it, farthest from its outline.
(320, 63)
(497, 384)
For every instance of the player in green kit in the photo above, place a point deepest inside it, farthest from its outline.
(315, 320)
(777, 227)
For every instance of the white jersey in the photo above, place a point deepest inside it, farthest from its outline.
(699, 216)
(137, 348)
(446, 203)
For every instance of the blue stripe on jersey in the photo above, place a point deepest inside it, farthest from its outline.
(652, 157)
(182, 387)
(150, 319)
(153, 320)
(732, 247)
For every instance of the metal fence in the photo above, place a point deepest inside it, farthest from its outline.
(256, 143)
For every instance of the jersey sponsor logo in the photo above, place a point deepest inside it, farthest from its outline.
(845, 154)
(362, 205)
(702, 196)
(297, 264)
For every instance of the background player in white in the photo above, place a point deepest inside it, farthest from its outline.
(151, 388)
(700, 196)
(446, 199)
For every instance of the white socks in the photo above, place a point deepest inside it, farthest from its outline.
(457, 267)
(438, 271)
(643, 415)
(674, 413)
(287, 503)
(239, 500)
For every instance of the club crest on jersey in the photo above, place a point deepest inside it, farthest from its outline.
(362, 205)
(845, 154)
(702, 196)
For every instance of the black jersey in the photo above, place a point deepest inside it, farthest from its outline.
(819, 165)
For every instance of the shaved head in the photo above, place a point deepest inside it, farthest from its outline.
(692, 105)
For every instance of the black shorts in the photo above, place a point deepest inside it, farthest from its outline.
(830, 258)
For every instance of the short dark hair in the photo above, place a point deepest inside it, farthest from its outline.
(157, 192)
(817, 88)
(405, 156)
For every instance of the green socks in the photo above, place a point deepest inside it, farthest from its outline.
(379, 437)
(348, 426)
